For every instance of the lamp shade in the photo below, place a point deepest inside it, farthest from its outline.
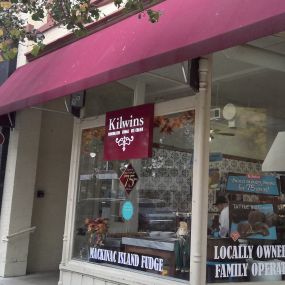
(275, 158)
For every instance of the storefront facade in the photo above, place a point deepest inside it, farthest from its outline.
(204, 203)
(171, 214)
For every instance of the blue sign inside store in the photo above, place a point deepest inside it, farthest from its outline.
(127, 210)
(253, 184)
(216, 156)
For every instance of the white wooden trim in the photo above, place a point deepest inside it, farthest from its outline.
(160, 109)
(139, 93)
(72, 193)
(119, 275)
(75, 177)
(198, 252)
(92, 122)
(176, 106)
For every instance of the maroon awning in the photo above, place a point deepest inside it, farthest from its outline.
(187, 29)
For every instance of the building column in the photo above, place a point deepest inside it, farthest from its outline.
(18, 194)
(201, 176)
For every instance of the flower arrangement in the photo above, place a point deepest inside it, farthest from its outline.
(97, 230)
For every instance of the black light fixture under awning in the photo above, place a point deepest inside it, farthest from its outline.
(8, 120)
(6, 69)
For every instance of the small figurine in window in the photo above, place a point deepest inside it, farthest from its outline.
(182, 248)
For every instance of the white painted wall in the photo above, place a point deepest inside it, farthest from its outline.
(52, 177)
(16, 211)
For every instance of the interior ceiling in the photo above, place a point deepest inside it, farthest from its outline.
(251, 75)
(163, 84)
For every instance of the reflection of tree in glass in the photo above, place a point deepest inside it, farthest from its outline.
(90, 138)
(168, 124)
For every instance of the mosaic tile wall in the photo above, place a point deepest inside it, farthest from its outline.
(167, 176)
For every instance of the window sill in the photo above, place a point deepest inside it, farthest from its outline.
(118, 275)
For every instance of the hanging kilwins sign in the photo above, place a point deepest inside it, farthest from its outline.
(129, 133)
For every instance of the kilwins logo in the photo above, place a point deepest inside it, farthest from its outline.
(124, 130)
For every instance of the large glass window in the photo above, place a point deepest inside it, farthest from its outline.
(147, 229)
(246, 238)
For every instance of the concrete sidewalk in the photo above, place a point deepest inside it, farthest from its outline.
(47, 278)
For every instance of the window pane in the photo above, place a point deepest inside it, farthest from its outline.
(149, 228)
(107, 97)
(246, 200)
